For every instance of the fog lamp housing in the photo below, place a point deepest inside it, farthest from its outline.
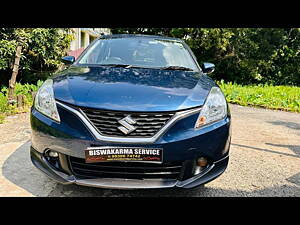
(201, 164)
(52, 154)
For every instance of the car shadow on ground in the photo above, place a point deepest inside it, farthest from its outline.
(294, 148)
(291, 125)
(19, 170)
(206, 191)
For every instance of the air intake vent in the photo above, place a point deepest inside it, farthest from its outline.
(127, 170)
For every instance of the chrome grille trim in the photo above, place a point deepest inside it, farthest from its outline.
(140, 124)
(98, 136)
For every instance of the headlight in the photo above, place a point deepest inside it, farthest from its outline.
(45, 102)
(214, 108)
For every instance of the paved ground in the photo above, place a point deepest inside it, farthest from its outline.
(264, 161)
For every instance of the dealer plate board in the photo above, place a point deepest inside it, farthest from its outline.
(128, 154)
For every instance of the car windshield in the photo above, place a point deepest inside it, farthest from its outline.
(139, 52)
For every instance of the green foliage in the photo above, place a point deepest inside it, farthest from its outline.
(2, 118)
(20, 89)
(41, 53)
(46, 47)
(3, 103)
(268, 96)
(7, 52)
(242, 55)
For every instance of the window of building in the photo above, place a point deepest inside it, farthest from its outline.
(92, 39)
(82, 36)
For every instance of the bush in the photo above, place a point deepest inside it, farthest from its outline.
(20, 89)
(42, 49)
(3, 103)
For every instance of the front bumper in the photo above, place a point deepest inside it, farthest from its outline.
(181, 143)
(210, 173)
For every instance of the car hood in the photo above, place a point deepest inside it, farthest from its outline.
(131, 89)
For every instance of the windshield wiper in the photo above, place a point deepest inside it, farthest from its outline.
(117, 65)
(125, 66)
(162, 68)
(176, 68)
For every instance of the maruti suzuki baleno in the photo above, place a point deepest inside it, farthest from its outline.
(132, 112)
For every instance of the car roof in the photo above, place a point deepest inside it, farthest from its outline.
(110, 36)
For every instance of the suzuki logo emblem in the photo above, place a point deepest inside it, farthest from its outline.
(126, 123)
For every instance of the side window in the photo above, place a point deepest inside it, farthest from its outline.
(92, 57)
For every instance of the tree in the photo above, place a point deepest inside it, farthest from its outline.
(242, 55)
(21, 41)
(42, 49)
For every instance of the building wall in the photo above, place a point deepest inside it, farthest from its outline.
(84, 36)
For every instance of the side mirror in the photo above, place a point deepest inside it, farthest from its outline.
(68, 60)
(208, 68)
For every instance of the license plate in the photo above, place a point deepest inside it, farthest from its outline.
(125, 154)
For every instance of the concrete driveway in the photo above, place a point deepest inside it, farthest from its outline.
(264, 161)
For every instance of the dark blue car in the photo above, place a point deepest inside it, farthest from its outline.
(133, 111)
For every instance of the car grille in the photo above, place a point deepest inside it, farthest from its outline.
(125, 170)
(147, 124)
